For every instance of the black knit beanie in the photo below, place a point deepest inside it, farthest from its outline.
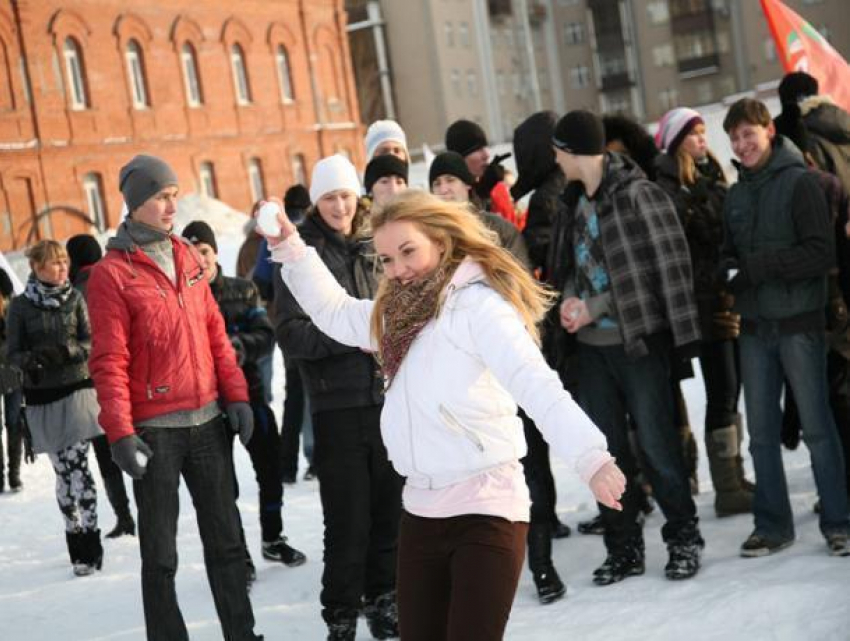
(465, 137)
(580, 133)
(83, 250)
(143, 177)
(451, 163)
(198, 232)
(795, 86)
(790, 124)
(380, 166)
(297, 197)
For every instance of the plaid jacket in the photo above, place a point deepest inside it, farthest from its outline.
(646, 255)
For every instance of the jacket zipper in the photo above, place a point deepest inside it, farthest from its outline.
(456, 426)
(149, 387)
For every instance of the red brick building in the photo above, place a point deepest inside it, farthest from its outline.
(241, 98)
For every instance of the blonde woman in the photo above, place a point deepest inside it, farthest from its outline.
(49, 338)
(454, 326)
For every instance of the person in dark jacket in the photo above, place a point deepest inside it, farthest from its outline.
(48, 338)
(297, 419)
(84, 251)
(778, 237)
(827, 124)
(468, 139)
(838, 331)
(694, 180)
(10, 395)
(360, 490)
(252, 336)
(620, 258)
(450, 179)
(540, 174)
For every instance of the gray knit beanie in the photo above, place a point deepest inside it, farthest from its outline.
(143, 177)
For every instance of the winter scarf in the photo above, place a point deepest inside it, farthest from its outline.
(47, 296)
(409, 308)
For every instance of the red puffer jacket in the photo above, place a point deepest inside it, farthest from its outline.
(157, 348)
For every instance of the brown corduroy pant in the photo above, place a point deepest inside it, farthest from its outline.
(457, 576)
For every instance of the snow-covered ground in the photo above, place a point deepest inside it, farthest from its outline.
(798, 594)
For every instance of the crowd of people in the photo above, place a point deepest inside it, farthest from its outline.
(436, 345)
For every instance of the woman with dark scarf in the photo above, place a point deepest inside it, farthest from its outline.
(49, 339)
(84, 251)
(694, 180)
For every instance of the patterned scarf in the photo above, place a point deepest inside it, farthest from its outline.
(408, 310)
(47, 296)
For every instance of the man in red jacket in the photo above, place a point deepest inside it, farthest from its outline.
(165, 370)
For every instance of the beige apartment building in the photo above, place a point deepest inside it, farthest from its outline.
(496, 61)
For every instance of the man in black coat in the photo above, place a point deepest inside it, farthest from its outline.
(252, 336)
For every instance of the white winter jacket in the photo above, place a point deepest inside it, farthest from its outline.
(450, 412)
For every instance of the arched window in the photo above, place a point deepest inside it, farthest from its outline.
(240, 75)
(207, 180)
(7, 94)
(75, 74)
(93, 188)
(136, 75)
(191, 78)
(284, 74)
(299, 169)
(255, 179)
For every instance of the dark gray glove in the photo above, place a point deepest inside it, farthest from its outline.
(241, 420)
(125, 453)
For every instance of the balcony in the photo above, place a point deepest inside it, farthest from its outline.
(616, 81)
(702, 66)
(499, 8)
(536, 13)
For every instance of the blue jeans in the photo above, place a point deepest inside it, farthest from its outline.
(201, 455)
(612, 385)
(765, 358)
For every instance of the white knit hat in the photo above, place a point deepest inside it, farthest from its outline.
(332, 173)
(674, 126)
(381, 131)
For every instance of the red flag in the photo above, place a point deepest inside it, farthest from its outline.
(802, 48)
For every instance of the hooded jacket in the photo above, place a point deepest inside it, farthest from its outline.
(157, 347)
(646, 255)
(450, 413)
(828, 127)
(780, 236)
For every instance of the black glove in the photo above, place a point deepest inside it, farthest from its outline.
(125, 453)
(239, 348)
(241, 419)
(492, 175)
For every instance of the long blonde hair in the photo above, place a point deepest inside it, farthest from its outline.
(462, 233)
(688, 167)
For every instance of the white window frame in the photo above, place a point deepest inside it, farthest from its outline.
(136, 75)
(241, 82)
(191, 78)
(93, 189)
(75, 74)
(284, 74)
(255, 179)
(206, 180)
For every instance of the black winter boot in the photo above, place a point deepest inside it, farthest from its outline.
(685, 551)
(85, 550)
(117, 495)
(624, 561)
(549, 586)
(382, 616)
(342, 625)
